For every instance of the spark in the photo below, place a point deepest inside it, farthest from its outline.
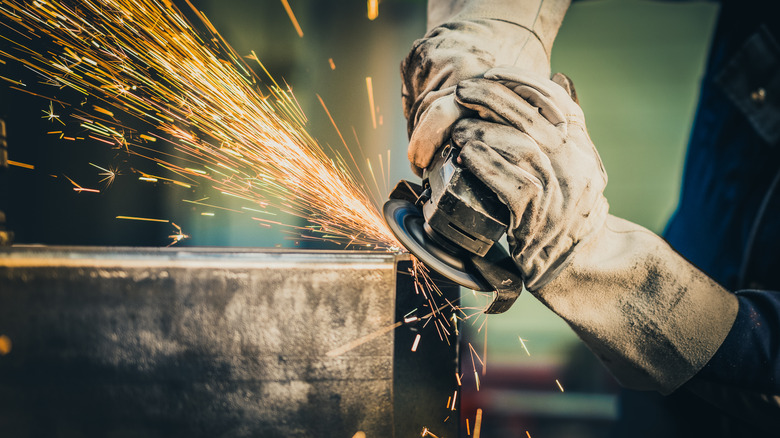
(18, 164)
(19, 83)
(454, 399)
(468, 430)
(427, 432)
(522, 342)
(559, 385)
(373, 9)
(331, 63)
(484, 350)
(103, 111)
(528, 434)
(109, 175)
(478, 423)
(50, 115)
(416, 342)
(178, 236)
(362, 340)
(289, 11)
(78, 188)
(133, 218)
(5, 345)
(370, 88)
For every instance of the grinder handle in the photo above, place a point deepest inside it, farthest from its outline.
(500, 271)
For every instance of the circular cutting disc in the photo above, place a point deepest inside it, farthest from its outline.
(406, 222)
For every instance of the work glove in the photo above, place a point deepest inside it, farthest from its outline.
(476, 36)
(651, 317)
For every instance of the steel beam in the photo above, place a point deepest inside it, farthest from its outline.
(209, 342)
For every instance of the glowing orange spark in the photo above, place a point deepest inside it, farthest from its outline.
(331, 63)
(559, 385)
(178, 236)
(78, 188)
(18, 164)
(478, 423)
(5, 345)
(133, 218)
(292, 18)
(370, 88)
(373, 9)
(362, 340)
(416, 342)
(109, 175)
(50, 115)
(103, 110)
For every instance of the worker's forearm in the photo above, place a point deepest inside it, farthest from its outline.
(544, 17)
(653, 318)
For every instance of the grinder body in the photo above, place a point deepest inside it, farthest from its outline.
(460, 207)
(452, 223)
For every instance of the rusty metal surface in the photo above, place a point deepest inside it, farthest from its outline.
(189, 342)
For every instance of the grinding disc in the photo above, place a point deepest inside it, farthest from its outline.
(406, 222)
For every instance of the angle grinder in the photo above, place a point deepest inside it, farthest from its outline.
(452, 223)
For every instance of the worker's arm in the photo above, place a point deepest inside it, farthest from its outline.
(750, 355)
(652, 318)
(465, 39)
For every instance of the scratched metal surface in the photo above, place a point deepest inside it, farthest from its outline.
(212, 342)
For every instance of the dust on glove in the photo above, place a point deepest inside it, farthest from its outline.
(529, 145)
(650, 316)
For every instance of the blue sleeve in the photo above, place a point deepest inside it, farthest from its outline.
(750, 356)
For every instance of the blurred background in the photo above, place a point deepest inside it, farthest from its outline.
(636, 65)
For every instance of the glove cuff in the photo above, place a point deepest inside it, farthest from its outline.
(649, 315)
(542, 17)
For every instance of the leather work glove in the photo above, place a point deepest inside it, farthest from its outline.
(464, 40)
(650, 316)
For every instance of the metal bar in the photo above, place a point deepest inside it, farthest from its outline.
(214, 342)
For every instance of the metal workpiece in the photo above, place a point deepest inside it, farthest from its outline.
(216, 343)
(6, 237)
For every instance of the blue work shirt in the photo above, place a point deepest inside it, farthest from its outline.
(727, 225)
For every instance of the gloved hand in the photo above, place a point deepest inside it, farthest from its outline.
(651, 317)
(530, 146)
(479, 36)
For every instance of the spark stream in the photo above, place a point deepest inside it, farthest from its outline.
(245, 138)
